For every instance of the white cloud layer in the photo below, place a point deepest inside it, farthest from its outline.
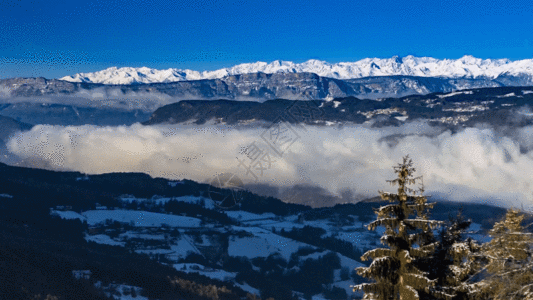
(473, 164)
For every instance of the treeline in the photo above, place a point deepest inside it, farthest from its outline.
(277, 278)
(314, 236)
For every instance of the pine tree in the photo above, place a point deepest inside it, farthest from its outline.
(454, 262)
(394, 268)
(510, 263)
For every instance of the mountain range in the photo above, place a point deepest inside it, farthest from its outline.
(252, 87)
(464, 67)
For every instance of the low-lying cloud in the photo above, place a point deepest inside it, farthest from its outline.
(474, 164)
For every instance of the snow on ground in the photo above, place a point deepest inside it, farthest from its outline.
(314, 256)
(477, 233)
(208, 272)
(103, 239)
(139, 218)
(527, 92)
(138, 235)
(125, 291)
(336, 104)
(288, 225)
(5, 196)
(345, 261)
(360, 239)
(178, 250)
(205, 202)
(324, 224)
(205, 241)
(475, 227)
(122, 289)
(262, 244)
(248, 288)
(349, 263)
(181, 249)
(402, 118)
(68, 215)
(154, 251)
(455, 93)
(248, 216)
(507, 95)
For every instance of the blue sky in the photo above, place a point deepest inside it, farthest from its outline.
(54, 38)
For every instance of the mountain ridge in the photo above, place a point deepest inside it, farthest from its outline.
(252, 86)
(464, 67)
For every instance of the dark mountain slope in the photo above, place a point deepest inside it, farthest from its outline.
(496, 106)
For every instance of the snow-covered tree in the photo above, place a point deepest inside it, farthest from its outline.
(454, 261)
(510, 263)
(407, 239)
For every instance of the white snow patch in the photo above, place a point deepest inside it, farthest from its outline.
(208, 272)
(138, 235)
(5, 196)
(402, 118)
(506, 95)
(248, 288)
(262, 244)
(181, 249)
(68, 215)
(103, 239)
(248, 216)
(455, 93)
(336, 104)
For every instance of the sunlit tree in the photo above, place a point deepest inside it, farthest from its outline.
(510, 263)
(393, 268)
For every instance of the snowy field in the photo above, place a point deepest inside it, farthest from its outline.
(200, 269)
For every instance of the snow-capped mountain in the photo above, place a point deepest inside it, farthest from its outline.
(464, 67)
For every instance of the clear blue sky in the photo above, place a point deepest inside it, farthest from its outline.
(54, 38)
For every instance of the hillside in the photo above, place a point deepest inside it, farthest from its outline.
(111, 224)
(500, 106)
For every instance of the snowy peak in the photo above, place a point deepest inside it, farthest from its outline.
(464, 67)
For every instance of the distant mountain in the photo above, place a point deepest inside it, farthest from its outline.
(253, 87)
(59, 114)
(502, 106)
(464, 67)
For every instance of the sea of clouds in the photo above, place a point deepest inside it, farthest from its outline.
(480, 164)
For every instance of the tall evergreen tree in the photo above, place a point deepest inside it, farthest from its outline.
(510, 262)
(394, 268)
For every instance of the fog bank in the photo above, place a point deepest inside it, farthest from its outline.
(475, 164)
